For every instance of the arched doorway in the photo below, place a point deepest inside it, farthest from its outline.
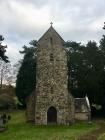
(52, 115)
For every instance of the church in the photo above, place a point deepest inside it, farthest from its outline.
(51, 102)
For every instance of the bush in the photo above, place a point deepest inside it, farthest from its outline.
(6, 101)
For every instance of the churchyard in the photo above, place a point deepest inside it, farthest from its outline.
(56, 83)
(18, 129)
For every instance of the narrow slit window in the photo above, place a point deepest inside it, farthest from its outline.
(51, 40)
(51, 90)
(51, 57)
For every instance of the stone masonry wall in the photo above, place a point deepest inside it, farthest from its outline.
(52, 80)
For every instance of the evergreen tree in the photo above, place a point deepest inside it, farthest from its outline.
(26, 78)
(102, 44)
(86, 71)
(3, 50)
(75, 68)
(102, 82)
(94, 64)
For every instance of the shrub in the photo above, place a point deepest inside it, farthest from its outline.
(6, 101)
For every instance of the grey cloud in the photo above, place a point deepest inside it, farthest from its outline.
(35, 3)
(82, 36)
(23, 20)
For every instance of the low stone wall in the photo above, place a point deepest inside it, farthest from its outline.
(84, 116)
(30, 111)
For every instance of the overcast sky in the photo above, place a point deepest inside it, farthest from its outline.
(25, 20)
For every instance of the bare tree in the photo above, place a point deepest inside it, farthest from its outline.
(5, 72)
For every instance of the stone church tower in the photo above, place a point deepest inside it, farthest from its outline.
(53, 104)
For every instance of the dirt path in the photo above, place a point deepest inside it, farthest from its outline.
(93, 135)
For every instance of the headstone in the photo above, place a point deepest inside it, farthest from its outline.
(1, 122)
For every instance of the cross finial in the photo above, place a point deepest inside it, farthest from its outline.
(51, 24)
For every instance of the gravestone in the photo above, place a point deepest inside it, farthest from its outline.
(1, 122)
(4, 118)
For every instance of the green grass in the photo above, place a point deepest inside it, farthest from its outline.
(102, 137)
(18, 129)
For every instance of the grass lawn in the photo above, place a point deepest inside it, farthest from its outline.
(18, 129)
(102, 137)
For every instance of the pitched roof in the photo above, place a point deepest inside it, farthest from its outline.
(53, 31)
(81, 105)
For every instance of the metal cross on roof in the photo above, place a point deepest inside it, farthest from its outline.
(51, 24)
